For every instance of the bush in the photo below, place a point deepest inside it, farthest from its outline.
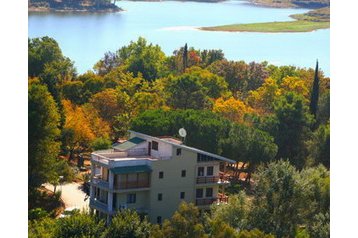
(37, 213)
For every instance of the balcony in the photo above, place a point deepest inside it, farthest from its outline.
(222, 198)
(207, 179)
(99, 182)
(98, 205)
(132, 185)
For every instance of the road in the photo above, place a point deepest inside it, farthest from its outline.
(72, 195)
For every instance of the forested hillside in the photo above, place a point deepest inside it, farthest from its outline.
(73, 5)
(273, 120)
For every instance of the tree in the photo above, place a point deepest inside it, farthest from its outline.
(277, 200)
(289, 126)
(44, 228)
(189, 90)
(109, 103)
(140, 58)
(234, 214)
(79, 225)
(315, 93)
(77, 130)
(185, 223)
(205, 128)
(109, 62)
(248, 145)
(43, 119)
(74, 91)
(43, 52)
(127, 224)
(185, 57)
(185, 92)
(315, 185)
(233, 109)
(255, 233)
(319, 146)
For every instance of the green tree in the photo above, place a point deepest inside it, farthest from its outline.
(43, 52)
(185, 92)
(185, 57)
(319, 146)
(44, 228)
(315, 184)
(79, 225)
(127, 224)
(142, 58)
(234, 214)
(290, 126)
(101, 143)
(185, 223)
(319, 227)
(73, 90)
(255, 233)
(43, 120)
(248, 145)
(205, 128)
(315, 93)
(277, 200)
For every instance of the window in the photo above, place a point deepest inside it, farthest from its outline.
(183, 173)
(160, 196)
(161, 174)
(179, 151)
(199, 193)
(131, 198)
(204, 158)
(210, 171)
(159, 219)
(201, 171)
(209, 192)
(182, 195)
(154, 145)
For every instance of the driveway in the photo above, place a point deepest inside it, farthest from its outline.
(72, 195)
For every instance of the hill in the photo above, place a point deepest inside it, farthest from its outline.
(293, 3)
(73, 5)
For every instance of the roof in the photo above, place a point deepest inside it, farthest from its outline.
(186, 147)
(131, 169)
(128, 144)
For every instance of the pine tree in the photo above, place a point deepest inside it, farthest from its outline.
(185, 57)
(315, 93)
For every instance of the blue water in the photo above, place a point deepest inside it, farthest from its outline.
(86, 37)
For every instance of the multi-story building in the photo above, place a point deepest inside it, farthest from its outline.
(153, 175)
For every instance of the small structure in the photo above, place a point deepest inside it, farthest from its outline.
(153, 175)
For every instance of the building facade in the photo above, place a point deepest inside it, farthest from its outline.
(153, 175)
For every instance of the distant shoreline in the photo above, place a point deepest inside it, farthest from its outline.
(46, 6)
(307, 22)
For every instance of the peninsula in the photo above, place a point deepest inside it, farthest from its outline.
(310, 21)
(73, 6)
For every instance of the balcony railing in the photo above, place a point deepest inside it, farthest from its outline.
(132, 185)
(98, 205)
(207, 179)
(98, 181)
(208, 201)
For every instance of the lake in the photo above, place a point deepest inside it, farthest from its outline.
(86, 37)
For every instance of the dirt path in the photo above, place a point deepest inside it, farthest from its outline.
(72, 195)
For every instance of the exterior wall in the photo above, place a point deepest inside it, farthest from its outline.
(172, 184)
(142, 200)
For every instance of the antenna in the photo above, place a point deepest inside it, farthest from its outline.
(182, 133)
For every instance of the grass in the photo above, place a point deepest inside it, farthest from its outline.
(310, 21)
(289, 26)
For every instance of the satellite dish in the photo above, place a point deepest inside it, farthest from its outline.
(182, 132)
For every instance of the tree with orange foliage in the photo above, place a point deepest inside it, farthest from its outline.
(77, 130)
(233, 109)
